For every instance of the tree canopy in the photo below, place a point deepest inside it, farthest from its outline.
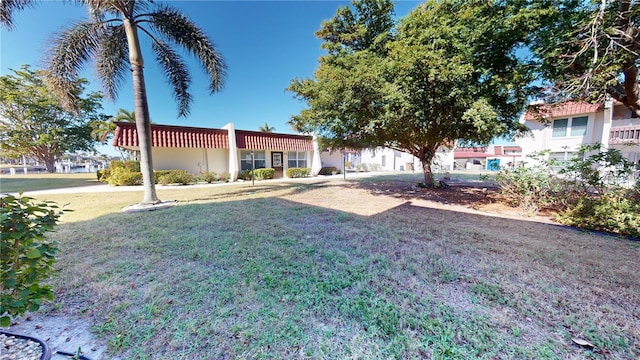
(33, 122)
(587, 50)
(447, 72)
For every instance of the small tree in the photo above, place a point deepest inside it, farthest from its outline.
(26, 256)
(33, 123)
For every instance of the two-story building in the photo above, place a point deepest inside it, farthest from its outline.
(562, 128)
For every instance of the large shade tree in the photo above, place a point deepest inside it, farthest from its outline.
(447, 72)
(587, 50)
(111, 37)
(33, 123)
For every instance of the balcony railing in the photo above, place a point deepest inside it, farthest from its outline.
(624, 135)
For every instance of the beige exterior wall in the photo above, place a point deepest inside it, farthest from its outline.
(191, 160)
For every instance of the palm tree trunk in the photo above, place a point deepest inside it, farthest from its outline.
(143, 124)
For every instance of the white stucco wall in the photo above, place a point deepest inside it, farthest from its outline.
(540, 136)
(331, 159)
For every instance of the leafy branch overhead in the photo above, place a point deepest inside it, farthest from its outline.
(446, 72)
(588, 49)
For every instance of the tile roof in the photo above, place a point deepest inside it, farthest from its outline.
(169, 136)
(567, 108)
(262, 141)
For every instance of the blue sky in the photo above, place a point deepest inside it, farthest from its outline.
(266, 44)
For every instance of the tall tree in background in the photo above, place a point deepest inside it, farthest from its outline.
(33, 123)
(105, 127)
(588, 49)
(111, 38)
(267, 128)
(447, 72)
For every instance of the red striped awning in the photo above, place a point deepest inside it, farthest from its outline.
(169, 136)
(271, 141)
(126, 136)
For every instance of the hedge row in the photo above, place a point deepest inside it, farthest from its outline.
(259, 174)
(126, 173)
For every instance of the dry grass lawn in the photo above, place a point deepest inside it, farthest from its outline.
(334, 269)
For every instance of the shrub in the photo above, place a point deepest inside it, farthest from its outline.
(121, 176)
(26, 257)
(103, 175)
(159, 174)
(182, 177)
(260, 174)
(225, 177)
(298, 172)
(131, 165)
(328, 170)
(208, 177)
(614, 213)
(529, 188)
(588, 191)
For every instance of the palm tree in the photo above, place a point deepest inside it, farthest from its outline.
(111, 38)
(266, 128)
(125, 116)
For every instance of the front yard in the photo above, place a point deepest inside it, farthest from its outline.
(333, 269)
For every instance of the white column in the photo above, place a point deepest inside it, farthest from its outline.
(606, 127)
(233, 151)
(316, 163)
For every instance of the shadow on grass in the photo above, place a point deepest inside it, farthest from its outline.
(269, 277)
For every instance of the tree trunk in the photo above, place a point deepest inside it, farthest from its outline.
(50, 164)
(143, 124)
(426, 157)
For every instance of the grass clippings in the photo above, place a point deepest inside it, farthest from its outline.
(333, 270)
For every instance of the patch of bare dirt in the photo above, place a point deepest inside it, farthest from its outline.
(478, 196)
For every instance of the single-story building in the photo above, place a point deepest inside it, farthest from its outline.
(229, 150)
(492, 157)
(385, 159)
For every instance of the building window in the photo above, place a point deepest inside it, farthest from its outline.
(384, 161)
(579, 126)
(297, 159)
(245, 159)
(560, 127)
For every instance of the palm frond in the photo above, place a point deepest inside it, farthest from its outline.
(179, 29)
(112, 59)
(7, 9)
(69, 51)
(177, 74)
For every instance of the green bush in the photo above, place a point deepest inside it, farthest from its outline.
(121, 176)
(182, 177)
(328, 170)
(208, 177)
(589, 191)
(103, 175)
(159, 174)
(298, 172)
(26, 256)
(131, 165)
(614, 213)
(260, 174)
